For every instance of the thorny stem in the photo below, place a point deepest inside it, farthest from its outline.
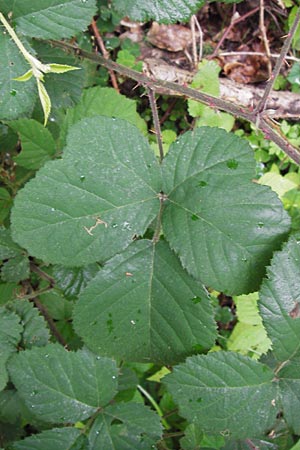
(285, 48)
(209, 100)
(156, 123)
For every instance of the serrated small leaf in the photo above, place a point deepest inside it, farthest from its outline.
(54, 20)
(15, 269)
(138, 428)
(280, 301)
(35, 331)
(8, 248)
(160, 10)
(55, 439)
(16, 99)
(10, 335)
(92, 203)
(220, 391)
(223, 227)
(121, 312)
(60, 386)
(10, 408)
(105, 102)
(38, 145)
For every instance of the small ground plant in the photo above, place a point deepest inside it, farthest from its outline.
(116, 251)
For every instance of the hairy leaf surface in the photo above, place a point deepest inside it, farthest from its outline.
(50, 20)
(280, 301)
(125, 426)
(223, 227)
(90, 205)
(220, 391)
(62, 386)
(143, 306)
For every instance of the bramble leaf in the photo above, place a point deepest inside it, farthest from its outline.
(144, 307)
(55, 439)
(125, 425)
(50, 20)
(62, 386)
(10, 335)
(38, 145)
(16, 99)
(160, 10)
(223, 227)
(92, 203)
(280, 301)
(220, 391)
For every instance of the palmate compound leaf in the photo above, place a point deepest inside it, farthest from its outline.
(137, 428)
(225, 393)
(53, 19)
(159, 10)
(223, 226)
(92, 203)
(280, 301)
(60, 386)
(143, 306)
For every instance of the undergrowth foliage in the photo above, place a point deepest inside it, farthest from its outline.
(116, 256)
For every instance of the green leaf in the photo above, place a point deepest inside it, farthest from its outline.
(10, 410)
(10, 335)
(5, 204)
(15, 269)
(280, 301)
(16, 99)
(35, 331)
(62, 386)
(137, 428)
(38, 145)
(97, 101)
(50, 20)
(160, 10)
(220, 392)
(92, 203)
(249, 335)
(289, 392)
(223, 227)
(121, 312)
(205, 80)
(55, 439)
(8, 248)
(8, 291)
